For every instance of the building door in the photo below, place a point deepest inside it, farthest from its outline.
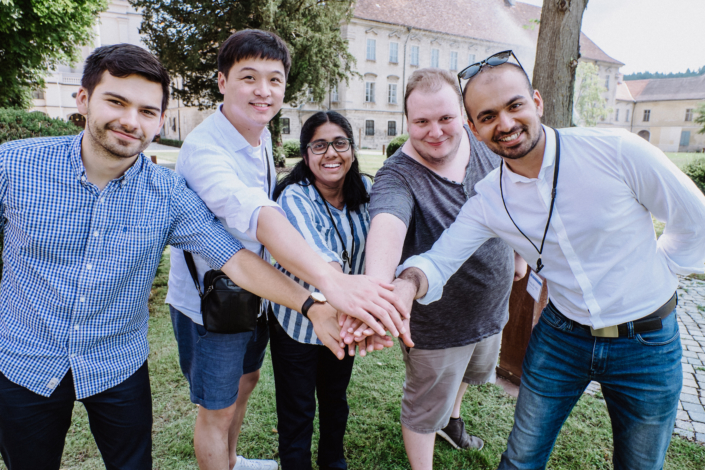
(644, 135)
(685, 138)
(78, 119)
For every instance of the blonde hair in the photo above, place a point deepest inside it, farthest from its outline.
(431, 80)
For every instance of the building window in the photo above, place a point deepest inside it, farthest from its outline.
(627, 118)
(334, 94)
(369, 92)
(369, 127)
(434, 57)
(391, 128)
(471, 59)
(310, 95)
(415, 55)
(394, 52)
(685, 138)
(688, 114)
(453, 60)
(647, 115)
(286, 127)
(616, 115)
(607, 82)
(392, 93)
(38, 94)
(371, 49)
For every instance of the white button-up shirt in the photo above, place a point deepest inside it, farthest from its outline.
(231, 177)
(602, 261)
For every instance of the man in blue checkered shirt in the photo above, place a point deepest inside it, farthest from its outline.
(85, 220)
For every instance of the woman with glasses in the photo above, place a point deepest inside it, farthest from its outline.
(325, 197)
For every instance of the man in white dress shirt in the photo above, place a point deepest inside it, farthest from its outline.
(611, 284)
(227, 161)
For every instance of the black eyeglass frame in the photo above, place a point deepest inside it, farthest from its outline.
(328, 144)
(466, 74)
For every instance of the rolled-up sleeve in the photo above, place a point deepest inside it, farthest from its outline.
(195, 229)
(213, 174)
(456, 244)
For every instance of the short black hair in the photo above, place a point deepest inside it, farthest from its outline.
(354, 191)
(516, 67)
(252, 44)
(122, 60)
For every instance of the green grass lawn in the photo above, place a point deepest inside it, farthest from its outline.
(682, 159)
(373, 439)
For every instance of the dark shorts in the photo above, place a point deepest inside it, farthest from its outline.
(213, 363)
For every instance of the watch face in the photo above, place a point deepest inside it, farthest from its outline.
(318, 297)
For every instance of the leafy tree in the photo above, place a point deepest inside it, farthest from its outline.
(186, 35)
(700, 118)
(589, 104)
(36, 36)
(644, 75)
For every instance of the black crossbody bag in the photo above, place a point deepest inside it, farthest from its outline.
(226, 307)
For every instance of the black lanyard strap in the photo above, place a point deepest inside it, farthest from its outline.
(346, 257)
(539, 263)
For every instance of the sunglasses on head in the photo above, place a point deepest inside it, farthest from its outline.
(494, 60)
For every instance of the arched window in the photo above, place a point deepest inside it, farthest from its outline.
(78, 119)
(644, 135)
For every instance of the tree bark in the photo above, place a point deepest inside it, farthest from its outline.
(557, 54)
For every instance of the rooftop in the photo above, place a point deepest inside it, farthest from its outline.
(663, 89)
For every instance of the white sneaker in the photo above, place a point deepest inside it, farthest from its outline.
(254, 464)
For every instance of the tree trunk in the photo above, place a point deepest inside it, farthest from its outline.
(275, 128)
(557, 54)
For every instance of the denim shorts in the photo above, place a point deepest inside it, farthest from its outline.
(213, 363)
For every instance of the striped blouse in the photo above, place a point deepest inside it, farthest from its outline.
(306, 211)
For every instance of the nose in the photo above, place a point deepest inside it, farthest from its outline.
(436, 130)
(505, 122)
(330, 152)
(129, 119)
(262, 89)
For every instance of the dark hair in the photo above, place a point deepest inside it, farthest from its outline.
(354, 191)
(122, 60)
(252, 44)
(506, 64)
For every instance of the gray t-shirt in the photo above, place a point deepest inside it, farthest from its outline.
(475, 302)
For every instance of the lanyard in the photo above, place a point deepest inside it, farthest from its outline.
(346, 257)
(539, 264)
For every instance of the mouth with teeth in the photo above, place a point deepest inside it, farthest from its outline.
(331, 165)
(260, 105)
(510, 138)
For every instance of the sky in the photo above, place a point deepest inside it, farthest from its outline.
(647, 35)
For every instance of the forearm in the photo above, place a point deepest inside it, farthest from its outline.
(418, 280)
(252, 273)
(383, 247)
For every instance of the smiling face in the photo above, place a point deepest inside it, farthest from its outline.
(253, 93)
(122, 114)
(435, 123)
(331, 167)
(505, 114)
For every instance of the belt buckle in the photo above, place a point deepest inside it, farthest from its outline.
(606, 332)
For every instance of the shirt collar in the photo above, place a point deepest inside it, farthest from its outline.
(80, 170)
(549, 157)
(236, 141)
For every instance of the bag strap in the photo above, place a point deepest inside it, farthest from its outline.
(192, 269)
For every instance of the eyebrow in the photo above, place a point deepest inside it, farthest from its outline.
(508, 103)
(256, 70)
(122, 98)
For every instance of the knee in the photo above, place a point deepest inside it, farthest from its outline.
(216, 419)
(248, 382)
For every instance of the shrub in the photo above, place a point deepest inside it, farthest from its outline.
(696, 171)
(171, 142)
(278, 155)
(291, 148)
(16, 124)
(396, 142)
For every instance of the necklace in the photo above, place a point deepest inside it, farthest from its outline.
(539, 263)
(346, 257)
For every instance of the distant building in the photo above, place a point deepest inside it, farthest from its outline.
(664, 112)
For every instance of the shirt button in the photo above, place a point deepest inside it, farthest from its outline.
(96, 233)
(76, 327)
(83, 178)
(82, 299)
(102, 200)
(72, 356)
(89, 266)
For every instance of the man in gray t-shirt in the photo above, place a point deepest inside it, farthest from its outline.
(417, 194)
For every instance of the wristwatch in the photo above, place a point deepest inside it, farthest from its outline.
(315, 297)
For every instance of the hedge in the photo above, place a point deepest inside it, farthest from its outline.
(396, 142)
(171, 142)
(291, 148)
(696, 171)
(17, 124)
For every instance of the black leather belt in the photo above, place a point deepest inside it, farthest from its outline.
(651, 322)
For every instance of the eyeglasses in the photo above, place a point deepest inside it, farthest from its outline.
(320, 147)
(494, 60)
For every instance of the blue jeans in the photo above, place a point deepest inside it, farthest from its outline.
(641, 378)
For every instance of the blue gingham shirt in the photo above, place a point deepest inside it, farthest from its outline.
(78, 263)
(306, 211)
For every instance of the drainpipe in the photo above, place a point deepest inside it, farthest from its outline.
(403, 78)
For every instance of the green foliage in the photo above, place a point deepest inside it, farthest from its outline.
(645, 75)
(186, 35)
(696, 172)
(700, 118)
(396, 142)
(17, 124)
(171, 142)
(291, 148)
(588, 100)
(36, 36)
